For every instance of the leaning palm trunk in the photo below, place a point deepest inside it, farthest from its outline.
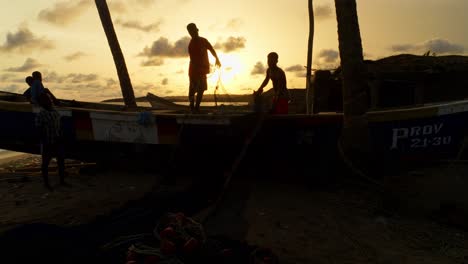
(355, 100)
(310, 95)
(124, 78)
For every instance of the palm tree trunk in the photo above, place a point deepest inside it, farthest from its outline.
(355, 99)
(122, 72)
(310, 45)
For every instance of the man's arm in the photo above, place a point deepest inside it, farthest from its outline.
(265, 82)
(213, 52)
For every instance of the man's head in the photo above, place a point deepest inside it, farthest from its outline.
(29, 80)
(192, 30)
(272, 59)
(37, 75)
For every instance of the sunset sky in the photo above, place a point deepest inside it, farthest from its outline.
(66, 42)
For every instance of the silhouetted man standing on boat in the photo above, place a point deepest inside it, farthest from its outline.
(278, 77)
(199, 66)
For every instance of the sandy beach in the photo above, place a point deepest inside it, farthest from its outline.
(344, 222)
(23, 198)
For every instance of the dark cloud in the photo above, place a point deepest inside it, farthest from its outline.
(111, 82)
(133, 24)
(28, 66)
(231, 44)
(79, 78)
(439, 46)
(259, 68)
(165, 81)
(24, 41)
(75, 56)
(295, 68)
(322, 12)
(155, 61)
(162, 48)
(63, 13)
(328, 56)
(298, 69)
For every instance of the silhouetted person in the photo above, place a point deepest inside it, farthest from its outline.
(278, 77)
(199, 66)
(37, 88)
(50, 133)
(29, 80)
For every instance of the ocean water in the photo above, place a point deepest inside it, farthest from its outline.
(147, 104)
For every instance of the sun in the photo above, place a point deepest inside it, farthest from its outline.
(231, 66)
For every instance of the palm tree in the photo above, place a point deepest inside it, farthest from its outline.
(122, 72)
(355, 99)
(309, 56)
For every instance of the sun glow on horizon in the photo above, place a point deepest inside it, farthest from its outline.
(231, 68)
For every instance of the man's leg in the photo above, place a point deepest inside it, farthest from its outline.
(199, 99)
(202, 85)
(61, 164)
(45, 155)
(192, 95)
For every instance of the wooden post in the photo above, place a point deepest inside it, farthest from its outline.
(119, 60)
(310, 46)
(355, 97)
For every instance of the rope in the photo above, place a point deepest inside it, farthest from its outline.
(203, 215)
(219, 84)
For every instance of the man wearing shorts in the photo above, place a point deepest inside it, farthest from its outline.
(199, 66)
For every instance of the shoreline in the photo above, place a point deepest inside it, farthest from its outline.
(7, 156)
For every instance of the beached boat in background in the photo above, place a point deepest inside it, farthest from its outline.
(103, 132)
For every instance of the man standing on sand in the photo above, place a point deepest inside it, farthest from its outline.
(50, 133)
(278, 77)
(199, 66)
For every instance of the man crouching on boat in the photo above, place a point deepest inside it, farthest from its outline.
(278, 77)
(50, 131)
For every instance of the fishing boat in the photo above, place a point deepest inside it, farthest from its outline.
(98, 131)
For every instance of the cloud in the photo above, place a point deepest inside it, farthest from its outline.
(63, 13)
(328, 56)
(162, 48)
(24, 41)
(234, 24)
(259, 68)
(231, 44)
(295, 68)
(165, 81)
(438, 45)
(156, 61)
(122, 7)
(322, 12)
(298, 69)
(134, 24)
(118, 7)
(7, 77)
(80, 78)
(14, 88)
(28, 66)
(145, 3)
(75, 56)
